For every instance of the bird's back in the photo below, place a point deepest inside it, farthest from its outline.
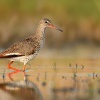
(24, 47)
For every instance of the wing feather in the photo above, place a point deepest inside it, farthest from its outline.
(20, 48)
(10, 55)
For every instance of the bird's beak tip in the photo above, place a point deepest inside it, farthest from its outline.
(56, 28)
(59, 29)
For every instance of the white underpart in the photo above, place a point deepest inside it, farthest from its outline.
(23, 59)
(12, 54)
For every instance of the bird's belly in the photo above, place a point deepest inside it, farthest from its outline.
(24, 59)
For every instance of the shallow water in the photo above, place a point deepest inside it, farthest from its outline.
(65, 79)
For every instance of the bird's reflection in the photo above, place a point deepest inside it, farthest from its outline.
(11, 73)
(15, 71)
(19, 90)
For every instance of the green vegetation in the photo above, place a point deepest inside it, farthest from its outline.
(78, 18)
(74, 8)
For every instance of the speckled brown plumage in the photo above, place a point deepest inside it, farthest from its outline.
(26, 49)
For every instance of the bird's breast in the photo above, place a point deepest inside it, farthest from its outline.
(41, 43)
(38, 45)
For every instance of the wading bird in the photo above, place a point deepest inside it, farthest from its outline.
(28, 48)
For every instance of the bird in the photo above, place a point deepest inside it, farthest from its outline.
(26, 49)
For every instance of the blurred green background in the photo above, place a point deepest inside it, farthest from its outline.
(78, 18)
(80, 21)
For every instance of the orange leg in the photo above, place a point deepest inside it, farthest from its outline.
(24, 68)
(9, 66)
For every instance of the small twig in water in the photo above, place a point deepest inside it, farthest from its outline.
(54, 66)
(45, 75)
(82, 67)
(38, 77)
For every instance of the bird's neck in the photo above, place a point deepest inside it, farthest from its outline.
(40, 31)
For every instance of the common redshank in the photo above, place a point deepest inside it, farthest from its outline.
(27, 49)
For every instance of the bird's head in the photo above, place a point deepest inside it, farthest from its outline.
(47, 23)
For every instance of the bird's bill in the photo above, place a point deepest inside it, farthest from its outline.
(52, 26)
(59, 29)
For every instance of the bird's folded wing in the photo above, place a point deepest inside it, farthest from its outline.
(20, 48)
(10, 55)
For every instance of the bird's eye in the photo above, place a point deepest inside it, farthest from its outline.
(46, 21)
